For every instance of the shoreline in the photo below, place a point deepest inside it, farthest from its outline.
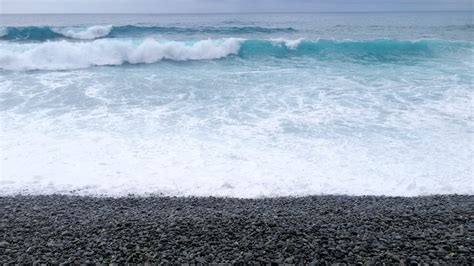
(313, 229)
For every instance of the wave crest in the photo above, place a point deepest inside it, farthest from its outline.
(62, 55)
(90, 33)
(65, 55)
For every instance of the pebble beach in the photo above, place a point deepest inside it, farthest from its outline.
(320, 230)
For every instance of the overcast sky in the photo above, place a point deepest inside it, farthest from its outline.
(226, 6)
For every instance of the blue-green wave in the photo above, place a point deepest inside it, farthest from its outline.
(63, 54)
(361, 48)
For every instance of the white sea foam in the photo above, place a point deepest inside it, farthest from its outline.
(90, 33)
(64, 55)
(290, 44)
(221, 130)
(104, 163)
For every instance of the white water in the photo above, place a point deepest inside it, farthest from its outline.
(89, 33)
(64, 55)
(245, 130)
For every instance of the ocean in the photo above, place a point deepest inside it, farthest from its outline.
(238, 105)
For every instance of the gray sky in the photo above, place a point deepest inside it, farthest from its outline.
(225, 6)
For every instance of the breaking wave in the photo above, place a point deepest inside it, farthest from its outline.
(93, 32)
(63, 55)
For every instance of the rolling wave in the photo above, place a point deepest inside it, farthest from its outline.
(90, 33)
(63, 55)
(35, 33)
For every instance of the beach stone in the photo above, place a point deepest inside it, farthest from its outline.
(320, 230)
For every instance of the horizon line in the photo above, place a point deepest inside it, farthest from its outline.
(223, 13)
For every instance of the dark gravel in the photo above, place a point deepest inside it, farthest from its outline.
(320, 229)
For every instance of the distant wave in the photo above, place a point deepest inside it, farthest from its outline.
(464, 27)
(62, 55)
(35, 33)
(93, 32)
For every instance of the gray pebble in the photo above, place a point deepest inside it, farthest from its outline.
(320, 230)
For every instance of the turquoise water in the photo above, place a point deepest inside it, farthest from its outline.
(244, 105)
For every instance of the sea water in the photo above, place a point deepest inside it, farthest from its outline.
(241, 105)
